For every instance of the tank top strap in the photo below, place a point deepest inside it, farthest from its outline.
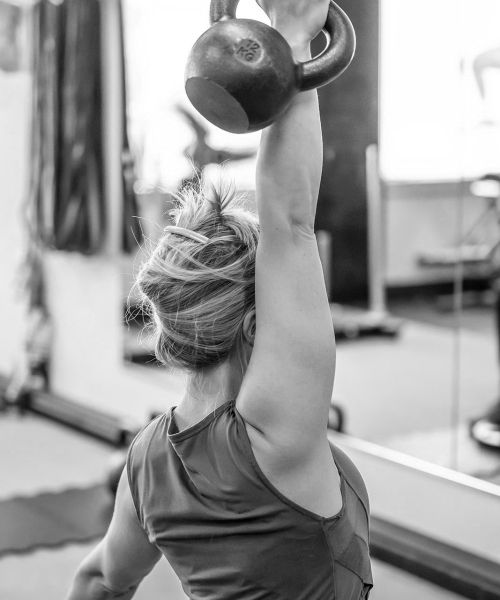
(138, 470)
(352, 475)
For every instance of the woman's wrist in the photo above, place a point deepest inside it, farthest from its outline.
(299, 42)
(301, 47)
(301, 52)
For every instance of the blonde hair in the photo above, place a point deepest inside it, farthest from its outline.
(197, 293)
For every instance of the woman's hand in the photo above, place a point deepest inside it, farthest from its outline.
(299, 21)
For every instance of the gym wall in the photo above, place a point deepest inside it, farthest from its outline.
(424, 217)
(14, 175)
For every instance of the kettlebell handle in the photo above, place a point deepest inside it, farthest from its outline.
(221, 10)
(323, 69)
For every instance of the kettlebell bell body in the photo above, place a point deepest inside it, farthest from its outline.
(241, 74)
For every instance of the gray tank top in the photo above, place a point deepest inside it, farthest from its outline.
(228, 533)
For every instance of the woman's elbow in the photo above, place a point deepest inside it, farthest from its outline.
(87, 586)
(90, 584)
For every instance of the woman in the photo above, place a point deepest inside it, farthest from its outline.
(238, 486)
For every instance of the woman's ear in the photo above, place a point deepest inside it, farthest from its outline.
(249, 325)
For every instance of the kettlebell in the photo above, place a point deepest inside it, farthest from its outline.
(241, 74)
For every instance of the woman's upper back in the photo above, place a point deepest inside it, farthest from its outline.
(228, 532)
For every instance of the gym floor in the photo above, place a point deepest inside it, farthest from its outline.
(416, 392)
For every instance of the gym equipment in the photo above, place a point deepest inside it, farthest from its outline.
(241, 74)
(201, 154)
(352, 322)
(336, 418)
(474, 257)
(479, 258)
(486, 429)
(111, 428)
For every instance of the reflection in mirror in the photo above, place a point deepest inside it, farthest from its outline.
(440, 144)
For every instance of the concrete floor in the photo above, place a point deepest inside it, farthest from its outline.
(415, 382)
(38, 455)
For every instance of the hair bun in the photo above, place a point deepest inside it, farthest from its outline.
(198, 294)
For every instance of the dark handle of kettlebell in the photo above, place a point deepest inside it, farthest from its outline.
(336, 57)
(223, 9)
(329, 64)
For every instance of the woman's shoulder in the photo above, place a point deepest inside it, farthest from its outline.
(145, 436)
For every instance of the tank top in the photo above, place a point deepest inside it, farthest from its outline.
(228, 533)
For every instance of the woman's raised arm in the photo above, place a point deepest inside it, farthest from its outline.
(288, 385)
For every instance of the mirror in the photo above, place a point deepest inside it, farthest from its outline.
(417, 339)
(440, 136)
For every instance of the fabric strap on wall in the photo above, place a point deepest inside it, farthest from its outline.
(67, 156)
